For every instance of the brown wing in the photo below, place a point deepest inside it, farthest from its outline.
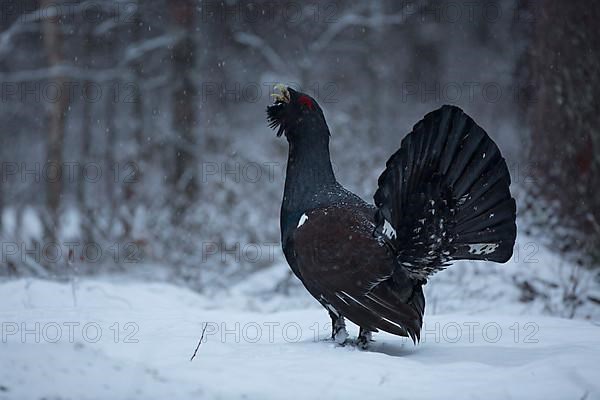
(344, 265)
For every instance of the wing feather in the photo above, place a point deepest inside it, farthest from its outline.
(343, 263)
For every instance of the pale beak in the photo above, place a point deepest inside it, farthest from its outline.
(283, 96)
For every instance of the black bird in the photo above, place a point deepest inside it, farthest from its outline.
(443, 196)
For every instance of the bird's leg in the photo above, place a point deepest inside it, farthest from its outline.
(364, 338)
(338, 328)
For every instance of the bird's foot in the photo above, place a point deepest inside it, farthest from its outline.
(364, 338)
(338, 328)
(340, 335)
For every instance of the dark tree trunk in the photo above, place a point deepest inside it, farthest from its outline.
(562, 113)
(131, 197)
(109, 152)
(184, 105)
(86, 143)
(1, 205)
(51, 29)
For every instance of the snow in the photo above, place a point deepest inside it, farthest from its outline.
(134, 341)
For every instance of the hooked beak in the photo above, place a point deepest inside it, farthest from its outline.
(283, 96)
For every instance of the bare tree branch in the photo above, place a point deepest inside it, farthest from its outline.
(251, 40)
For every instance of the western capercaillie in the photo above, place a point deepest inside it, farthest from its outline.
(443, 196)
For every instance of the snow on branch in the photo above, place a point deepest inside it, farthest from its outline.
(376, 20)
(251, 40)
(56, 71)
(24, 22)
(140, 49)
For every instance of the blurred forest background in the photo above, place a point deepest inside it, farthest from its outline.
(133, 133)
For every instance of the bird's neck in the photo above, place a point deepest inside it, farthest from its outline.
(309, 170)
(309, 177)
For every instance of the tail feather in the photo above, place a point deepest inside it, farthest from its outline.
(446, 195)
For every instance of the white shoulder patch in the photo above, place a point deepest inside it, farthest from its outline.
(388, 230)
(483, 248)
(302, 220)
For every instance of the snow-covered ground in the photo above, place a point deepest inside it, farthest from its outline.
(103, 339)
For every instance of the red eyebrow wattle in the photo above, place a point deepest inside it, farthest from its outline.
(305, 100)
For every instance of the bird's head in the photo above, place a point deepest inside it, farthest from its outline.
(295, 113)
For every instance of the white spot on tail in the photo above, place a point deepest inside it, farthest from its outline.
(388, 230)
(483, 248)
(302, 220)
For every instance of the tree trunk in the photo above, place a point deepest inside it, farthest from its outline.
(51, 29)
(184, 106)
(563, 70)
(109, 153)
(86, 143)
(1, 204)
(131, 198)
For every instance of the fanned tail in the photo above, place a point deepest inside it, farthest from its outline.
(445, 196)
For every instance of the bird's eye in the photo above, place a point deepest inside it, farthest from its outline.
(307, 102)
